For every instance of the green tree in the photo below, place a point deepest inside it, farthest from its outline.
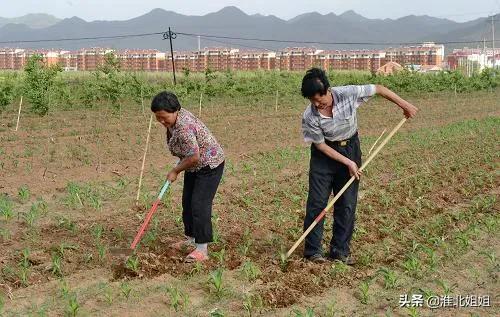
(38, 82)
(111, 83)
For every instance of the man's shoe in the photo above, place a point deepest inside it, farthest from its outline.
(349, 260)
(316, 258)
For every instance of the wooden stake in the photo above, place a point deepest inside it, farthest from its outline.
(144, 160)
(199, 112)
(142, 101)
(19, 112)
(276, 104)
(331, 203)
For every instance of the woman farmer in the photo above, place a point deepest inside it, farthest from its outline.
(330, 124)
(202, 159)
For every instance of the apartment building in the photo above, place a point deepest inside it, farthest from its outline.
(221, 58)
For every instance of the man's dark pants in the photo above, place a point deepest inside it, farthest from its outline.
(327, 175)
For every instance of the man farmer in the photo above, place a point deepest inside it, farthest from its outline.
(330, 124)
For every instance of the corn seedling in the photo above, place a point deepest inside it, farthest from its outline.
(447, 289)
(97, 231)
(23, 193)
(412, 265)
(251, 303)
(390, 278)
(5, 234)
(219, 256)
(177, 298)
(64, 288)
(132, 264)
(73, 306)
(309, 312)
(216, 280)
(125, 289)
(101, 252)
(413, 312)
(25, 254)
(65, 246)
(283, 260)
(338, 269)
(197, 268)
(23, 275)
(67, 224)
(491, 256)
(108, 295)
(216, 313)
(331, 310)
(56, 264)
(364, 288)
(251, 271)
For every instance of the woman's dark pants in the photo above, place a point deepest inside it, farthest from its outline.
(197, 198)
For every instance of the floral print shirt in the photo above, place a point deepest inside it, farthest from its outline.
(190, 136)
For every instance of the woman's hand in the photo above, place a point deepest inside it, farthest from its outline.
(172, 175)
(353, 169)
(409, 110)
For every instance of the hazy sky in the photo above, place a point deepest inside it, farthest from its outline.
(459, 10)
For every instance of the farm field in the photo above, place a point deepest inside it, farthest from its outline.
(427, 219)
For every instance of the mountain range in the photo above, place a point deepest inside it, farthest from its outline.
(232, 22)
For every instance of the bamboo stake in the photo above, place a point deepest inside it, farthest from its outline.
(144, 160)
(19, 112)
(199, 112)
(330, 205)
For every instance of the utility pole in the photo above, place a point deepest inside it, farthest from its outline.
(493, 38)
(199, 43)
(485, 56)
(171, 35)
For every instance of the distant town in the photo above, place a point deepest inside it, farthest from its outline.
(427, 57)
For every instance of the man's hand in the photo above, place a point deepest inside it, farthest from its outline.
(353, 169)
(409, 110)
(172, 175)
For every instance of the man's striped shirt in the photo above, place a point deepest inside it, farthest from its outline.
(317, 128)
